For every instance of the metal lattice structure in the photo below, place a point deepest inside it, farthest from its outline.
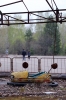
(7, 19)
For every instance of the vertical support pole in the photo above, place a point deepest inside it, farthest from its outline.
(57, 14)
(39, 65)
(11, 64)
(28, 17)
(8, 20)
(54, 43)
(1, 17)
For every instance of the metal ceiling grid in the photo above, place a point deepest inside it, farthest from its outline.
(7, 19)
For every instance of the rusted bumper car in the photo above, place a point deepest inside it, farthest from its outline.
(24, 77)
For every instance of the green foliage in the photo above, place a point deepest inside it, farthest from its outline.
(15, 34)
(3, 40)
(17, 47)
(28, 38)
(46, 40)
(28, 35)
(62, 29)
(50, 39)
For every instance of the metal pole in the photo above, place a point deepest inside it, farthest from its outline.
(54, 42)
(39, 65)
(11, 64)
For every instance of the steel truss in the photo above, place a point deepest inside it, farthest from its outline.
(7, 19)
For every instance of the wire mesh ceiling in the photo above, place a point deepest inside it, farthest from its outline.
(9, 19)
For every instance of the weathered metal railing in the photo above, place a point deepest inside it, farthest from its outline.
(35, 64)
(5, 64)
(47, 62)
(32, 64)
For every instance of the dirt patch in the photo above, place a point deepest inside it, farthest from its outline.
(41, 90)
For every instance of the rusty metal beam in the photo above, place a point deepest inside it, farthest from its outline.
(42, 17)
(30, 23)
(10, 3)
(33, 11)
(57, 10)
(16, 18)
(50, 7)
(11, 20)
(25, 6)
(55, 4)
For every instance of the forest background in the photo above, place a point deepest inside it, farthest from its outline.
(40, 39)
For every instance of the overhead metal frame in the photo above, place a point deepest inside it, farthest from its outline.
(7, 19)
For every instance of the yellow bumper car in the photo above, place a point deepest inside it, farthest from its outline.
(23, 77)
